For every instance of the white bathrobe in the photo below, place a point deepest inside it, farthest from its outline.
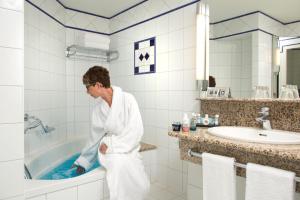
(120, 127)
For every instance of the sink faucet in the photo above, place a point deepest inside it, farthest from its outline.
(264, 112)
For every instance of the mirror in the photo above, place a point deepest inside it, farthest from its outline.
(243, 48)
(289, 73)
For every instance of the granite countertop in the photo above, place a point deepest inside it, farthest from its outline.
(291, 152)
(146, 147)
(285, 157)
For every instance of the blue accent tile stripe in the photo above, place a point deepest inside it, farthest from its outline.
(80, 11)
(96, 15)
(235, 34)
(297, 21)
(232, 18)
(45, 12)
(293, 38)
(251, 13)
(128, 9)
(165, 13)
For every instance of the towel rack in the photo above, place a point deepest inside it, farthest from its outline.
(199, 155)
(77, 51)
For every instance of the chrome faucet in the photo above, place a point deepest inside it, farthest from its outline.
(263, 119)
(34, 123)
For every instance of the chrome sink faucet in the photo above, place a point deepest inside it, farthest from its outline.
(263, 119)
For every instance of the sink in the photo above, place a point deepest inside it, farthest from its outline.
(248, 134)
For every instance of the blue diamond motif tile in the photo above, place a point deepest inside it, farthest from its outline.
(141, 57)
(147, 56)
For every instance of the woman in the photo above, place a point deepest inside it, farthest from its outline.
(116, 133)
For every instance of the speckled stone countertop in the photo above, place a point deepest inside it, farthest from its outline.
(146, 147)
(285, 157)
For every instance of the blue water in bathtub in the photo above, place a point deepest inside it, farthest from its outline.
(63, 170)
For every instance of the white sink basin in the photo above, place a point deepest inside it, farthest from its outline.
(255, 135)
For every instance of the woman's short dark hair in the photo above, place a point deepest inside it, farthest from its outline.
(96, 74)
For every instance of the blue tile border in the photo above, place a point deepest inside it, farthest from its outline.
(71, 27)
(128, 9)
(80, 11)
(101, 16)
(162, 14)
(235, 34)
(109, 34)
(292, 38)
(45, 13)
(251, 13)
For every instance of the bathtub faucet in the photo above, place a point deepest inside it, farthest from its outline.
(34, 122)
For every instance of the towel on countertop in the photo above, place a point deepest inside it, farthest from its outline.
(268, 183)
(219, 181)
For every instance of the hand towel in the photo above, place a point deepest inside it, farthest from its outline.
(219, 181)
(268, 183)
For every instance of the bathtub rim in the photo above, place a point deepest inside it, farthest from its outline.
(36, 187)
(38, 165)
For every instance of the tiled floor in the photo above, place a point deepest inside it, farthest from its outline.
(158, 192)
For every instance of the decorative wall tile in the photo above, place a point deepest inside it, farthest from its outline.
(145, 56)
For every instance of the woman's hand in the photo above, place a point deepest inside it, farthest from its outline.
(103, 148)
(79, 169)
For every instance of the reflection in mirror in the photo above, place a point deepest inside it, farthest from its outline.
(244, 44)
(231, 64)
(289, 64)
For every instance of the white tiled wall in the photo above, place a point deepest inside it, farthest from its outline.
(164, 96)
(231, 63)
(79, 103)
(53, 84)
(11, 107)
(45, 76)
(261, 59)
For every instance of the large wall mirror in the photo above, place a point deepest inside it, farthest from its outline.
(251, 48)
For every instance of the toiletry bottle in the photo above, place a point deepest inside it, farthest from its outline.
(206, 120)
(185, 123)
(193, 124)
(216, 120)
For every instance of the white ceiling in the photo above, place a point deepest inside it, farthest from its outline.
(105, 8)
(283, 10)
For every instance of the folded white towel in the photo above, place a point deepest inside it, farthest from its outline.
(268, 183)
(218, 177)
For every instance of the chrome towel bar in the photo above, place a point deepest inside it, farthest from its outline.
(199, 155)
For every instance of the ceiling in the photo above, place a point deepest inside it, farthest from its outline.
(105, 8)
(283, 10)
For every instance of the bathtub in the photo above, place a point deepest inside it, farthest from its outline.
(89, 186)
